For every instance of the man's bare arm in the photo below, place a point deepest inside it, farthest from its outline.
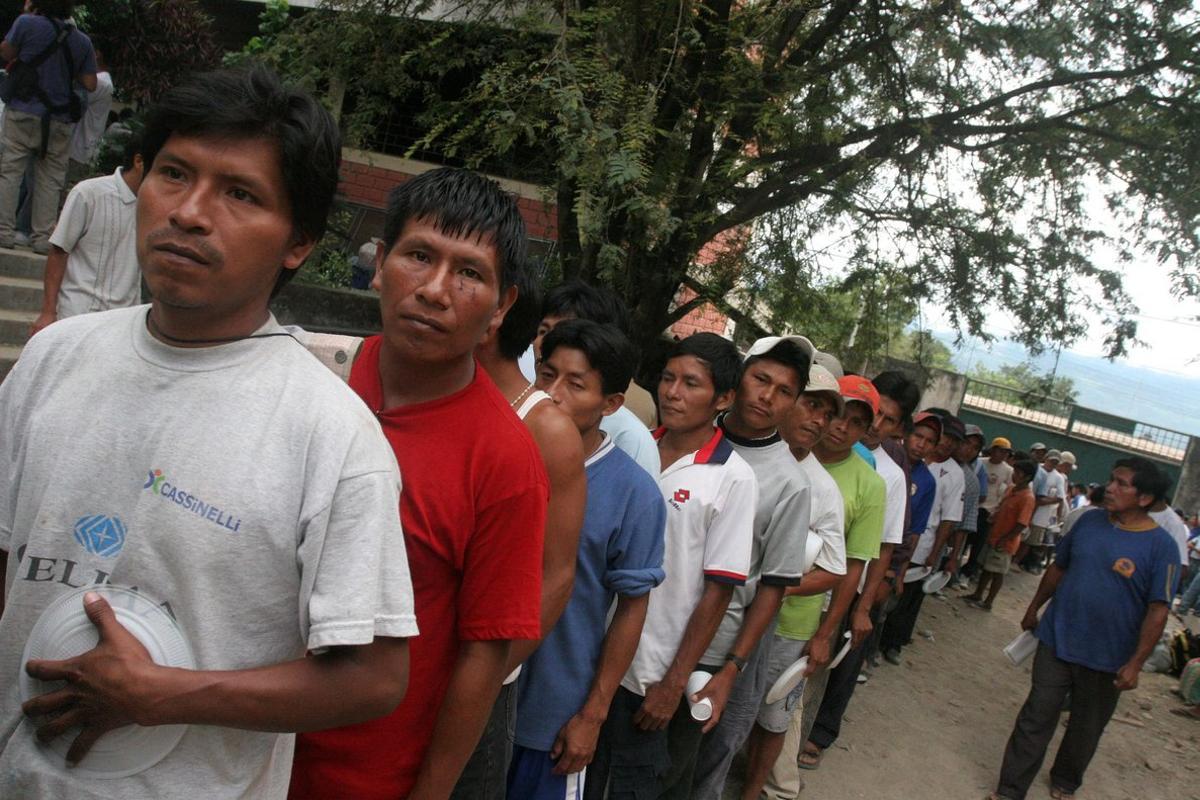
(88, 81)
(820, 646)
(815, 581)
(944, 529)
(116, 684)
(474, 686)
(1152, 628)
(876, 571)
(7, 51)
(575, 744)
(561, 449)
(56, 269)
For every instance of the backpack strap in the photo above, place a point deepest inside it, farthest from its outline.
(336, 352)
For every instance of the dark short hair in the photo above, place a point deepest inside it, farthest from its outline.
(252, 103)
(1020, 455)
(718, 354)
(1147, 477)
(461, 204)
(900, 388)
(1026, 465)
(607, 349)
(131, 146)
(578, 300)
(520, 324)
(59, 9)
(788, 354)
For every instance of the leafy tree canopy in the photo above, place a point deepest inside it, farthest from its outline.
(957, 141)
(1030, 388)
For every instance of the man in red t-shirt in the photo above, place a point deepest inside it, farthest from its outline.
(473, 503)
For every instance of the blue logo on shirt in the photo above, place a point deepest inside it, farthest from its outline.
(100, 535)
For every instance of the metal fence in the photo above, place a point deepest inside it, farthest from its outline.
(1061, 416)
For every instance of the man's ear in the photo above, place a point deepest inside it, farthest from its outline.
(724, 401)
(380, 257)
(507, 298)
(613, 402)
(299, 249)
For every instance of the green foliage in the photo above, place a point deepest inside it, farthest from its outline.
(272, 21)
(919, 347)
(1029, 388)
(329, 262)
(953, 146)
(150, 44)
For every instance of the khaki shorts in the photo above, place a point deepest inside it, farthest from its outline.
(997, 561)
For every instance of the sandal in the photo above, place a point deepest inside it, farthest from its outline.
(1060, 794)
(810, 757)
(1191, 712)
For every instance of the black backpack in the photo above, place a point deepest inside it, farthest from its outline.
(1184, 646)
(22, 82)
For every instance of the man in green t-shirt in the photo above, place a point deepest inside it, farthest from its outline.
(864, 496)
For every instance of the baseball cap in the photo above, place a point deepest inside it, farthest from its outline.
(975, 430)
(829, 362)
(765, 344)
(1002, 443)
(1053, 455)
(857, 388)
(1037, 446)
(930, 419)
(1067, 457)
(953, 426)
(822, 380)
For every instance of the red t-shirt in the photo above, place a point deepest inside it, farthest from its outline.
(473, 507)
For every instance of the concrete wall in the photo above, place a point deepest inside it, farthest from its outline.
(944, 390)
(1187, 487)
(319, 308)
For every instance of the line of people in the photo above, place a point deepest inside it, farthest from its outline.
(569, 603)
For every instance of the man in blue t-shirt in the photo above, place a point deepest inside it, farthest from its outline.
(568, 683)
(35, 128)
(1111, 582)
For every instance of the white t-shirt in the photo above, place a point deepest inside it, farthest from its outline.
(828, 518)
(711, 496)
(629, 434)
(947, 506)
(244, 485)
(897, 495)
(97, 229)
(85, 139)
(999, 479)
(1170, 522)
(1055, 486)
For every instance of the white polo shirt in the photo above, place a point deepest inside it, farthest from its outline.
(97, 229)
(1055, 486)
(711, 496)
(947, 505)
(897, 494)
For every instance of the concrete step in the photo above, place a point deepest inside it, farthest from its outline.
(14, 326)
(8, 357)
(18, 263)
(20, 294)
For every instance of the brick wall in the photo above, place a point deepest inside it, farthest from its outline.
(368, 177)
(702, 319)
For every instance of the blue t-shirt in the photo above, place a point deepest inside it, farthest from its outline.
(620, 553)
(924, 489)
(30, 35)
(1111, 577)
(866, 454)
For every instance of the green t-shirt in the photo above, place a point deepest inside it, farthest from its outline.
(865, 495)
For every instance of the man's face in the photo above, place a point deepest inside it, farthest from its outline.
(687, 398)
(545, 326)
(998, 454)
(576, 387)
(1039, 454)
(845, 431)
(968, 450)
(808, 420)
(766, 393)
(438, 294)
(887, 422)
(920, 443)
(946, 447)
(214, 225)
(1121, 495)
(1064, 468)
(1050, 465)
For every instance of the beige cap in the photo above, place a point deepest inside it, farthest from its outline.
(1067, 457)
(830, 362)
(822, 380)
(764, 345)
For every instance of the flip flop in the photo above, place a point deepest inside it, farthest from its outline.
(810, 758)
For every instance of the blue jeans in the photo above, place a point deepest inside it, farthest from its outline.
(486, 774)
(1191, 597)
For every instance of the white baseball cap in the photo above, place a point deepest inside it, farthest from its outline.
(830, 362)
(765, 345)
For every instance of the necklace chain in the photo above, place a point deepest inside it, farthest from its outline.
(516, 403)
(158, 332)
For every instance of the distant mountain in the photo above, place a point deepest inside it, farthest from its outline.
(1158, 398)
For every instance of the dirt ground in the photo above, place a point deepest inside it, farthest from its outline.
(935, 727)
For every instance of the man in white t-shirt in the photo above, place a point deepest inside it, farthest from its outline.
(92, 265)
(947, 509)
(85, 139)
(1172, 523)
(1050, 496)
(650, 734)
(194, 452)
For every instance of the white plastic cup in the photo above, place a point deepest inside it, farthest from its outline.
(701, 711)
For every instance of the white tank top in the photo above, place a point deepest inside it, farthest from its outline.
(535, 397)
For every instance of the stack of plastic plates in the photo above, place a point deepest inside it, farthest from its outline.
(841, 653)
(64, 631)
(812, 548)
(916, 573)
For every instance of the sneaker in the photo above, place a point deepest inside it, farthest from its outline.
(892, 657)
(21, 239)
(862, 677)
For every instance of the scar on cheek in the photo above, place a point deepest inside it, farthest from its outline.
(463, 286)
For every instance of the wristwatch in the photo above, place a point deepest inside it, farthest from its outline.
(737, 661)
